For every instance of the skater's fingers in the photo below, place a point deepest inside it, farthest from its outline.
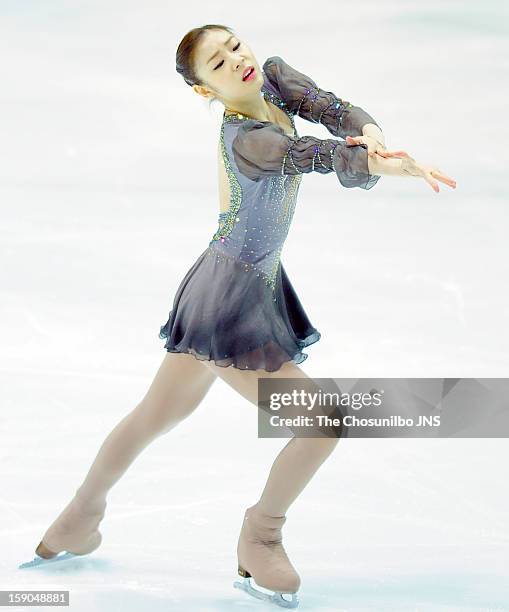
(440, 176)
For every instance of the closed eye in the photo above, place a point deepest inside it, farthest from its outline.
(222, 61)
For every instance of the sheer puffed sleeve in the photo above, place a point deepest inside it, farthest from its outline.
(262, 148)
(304, 98)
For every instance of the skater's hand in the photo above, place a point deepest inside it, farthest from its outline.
(409, 166)
(374, 146)
(428, 173)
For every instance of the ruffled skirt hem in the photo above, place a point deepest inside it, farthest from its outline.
(297, 357)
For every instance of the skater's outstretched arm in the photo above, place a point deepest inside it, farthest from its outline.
(262, 148)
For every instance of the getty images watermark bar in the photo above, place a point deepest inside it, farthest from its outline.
(383, 407)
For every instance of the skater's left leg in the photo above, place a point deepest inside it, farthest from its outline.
(260, 549)
(300, 458)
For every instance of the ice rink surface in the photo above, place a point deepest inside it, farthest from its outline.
(108, 194)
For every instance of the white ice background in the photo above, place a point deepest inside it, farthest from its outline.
(103, 210)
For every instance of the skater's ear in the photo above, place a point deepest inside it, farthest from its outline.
(204, 91)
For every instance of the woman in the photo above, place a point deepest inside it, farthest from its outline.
(236, 306)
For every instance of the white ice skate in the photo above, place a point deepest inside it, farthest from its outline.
(276, 597)
(262, 558)
(73, 534)
(43, 558)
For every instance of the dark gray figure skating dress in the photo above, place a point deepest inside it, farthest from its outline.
(236, 305)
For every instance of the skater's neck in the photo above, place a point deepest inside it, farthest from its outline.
(255, 108)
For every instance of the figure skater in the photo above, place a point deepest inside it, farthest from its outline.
(236, 305)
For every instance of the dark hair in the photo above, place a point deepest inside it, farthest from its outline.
(185, 56)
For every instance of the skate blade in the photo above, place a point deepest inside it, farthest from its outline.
(276, 598)
(36, 561)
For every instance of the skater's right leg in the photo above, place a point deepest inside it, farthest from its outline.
(180, 384)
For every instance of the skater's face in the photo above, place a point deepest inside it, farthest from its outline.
(220, 61)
